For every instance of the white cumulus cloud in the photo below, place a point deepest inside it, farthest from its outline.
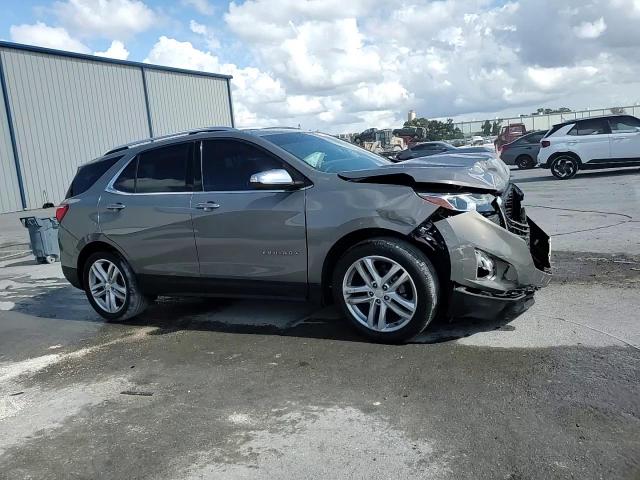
(590, 29)
(105, 18)
(203, 7)
(43, 35)
(117, 50)
(210, 38)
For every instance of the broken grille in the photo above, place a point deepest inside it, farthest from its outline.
(512, 211)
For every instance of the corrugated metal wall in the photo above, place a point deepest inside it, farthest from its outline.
(179, 102)
(9, 190)
(67, 109)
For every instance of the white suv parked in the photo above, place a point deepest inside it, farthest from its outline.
(597, 142)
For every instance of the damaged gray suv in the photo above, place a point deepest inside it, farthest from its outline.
(283, 213)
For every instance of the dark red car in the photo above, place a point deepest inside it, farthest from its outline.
(508, 134)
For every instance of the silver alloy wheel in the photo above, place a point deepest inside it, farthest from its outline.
(564, 167)
(107, 286)
(380, 293)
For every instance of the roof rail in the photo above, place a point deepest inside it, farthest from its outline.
(277, 128)
(166, 137)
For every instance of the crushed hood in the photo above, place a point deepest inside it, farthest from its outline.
(477, 171)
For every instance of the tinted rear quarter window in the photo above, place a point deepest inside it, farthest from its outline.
(554, 129)
(126, 181)
(164, 169)
(89, 174)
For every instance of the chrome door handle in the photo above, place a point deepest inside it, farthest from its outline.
(207, 206)
(572, 143)
(116, 206)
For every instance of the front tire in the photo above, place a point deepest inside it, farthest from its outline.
(387, 288)
(112, 288)
(565, 167)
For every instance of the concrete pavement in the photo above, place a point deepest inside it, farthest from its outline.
(199, 388)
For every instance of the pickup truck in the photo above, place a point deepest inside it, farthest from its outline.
(508, 134)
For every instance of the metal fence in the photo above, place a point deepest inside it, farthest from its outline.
(546, 121)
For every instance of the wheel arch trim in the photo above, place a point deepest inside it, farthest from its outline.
(428, 244)
(96, 243)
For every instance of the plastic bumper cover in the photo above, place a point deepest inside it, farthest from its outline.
(521, 267)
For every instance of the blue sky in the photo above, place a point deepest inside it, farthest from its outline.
(344, 66)
(174, 21)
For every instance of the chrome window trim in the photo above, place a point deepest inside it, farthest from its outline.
(111, 189)
(255, 190)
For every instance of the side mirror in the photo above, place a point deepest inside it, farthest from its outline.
(273, 179)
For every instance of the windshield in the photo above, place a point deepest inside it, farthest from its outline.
(326, 153)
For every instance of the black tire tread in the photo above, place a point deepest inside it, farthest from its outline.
(402, 251)
(137, 302)
(573, 158)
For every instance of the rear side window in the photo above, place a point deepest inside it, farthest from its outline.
(89, 174)
(422, 146)
(227, 165)
(534, 138)
(594, 126)
(164, 169)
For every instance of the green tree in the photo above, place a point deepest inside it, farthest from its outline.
(437, 130)
(486, 128)
(495, 128)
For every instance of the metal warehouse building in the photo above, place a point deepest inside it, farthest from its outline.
(59, 110)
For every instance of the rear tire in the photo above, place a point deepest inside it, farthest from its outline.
(403, 303)
(565, 167)
(524, 162)
(112, 288)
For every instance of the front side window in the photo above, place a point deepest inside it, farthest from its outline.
(595, 126)
(164, 169)
(326, 153)
(227, 165)
(624, 125)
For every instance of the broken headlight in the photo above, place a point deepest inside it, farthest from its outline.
(461, 202)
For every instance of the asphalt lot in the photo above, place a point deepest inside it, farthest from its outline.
(238, 389)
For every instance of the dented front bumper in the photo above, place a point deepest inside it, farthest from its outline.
(521, 266)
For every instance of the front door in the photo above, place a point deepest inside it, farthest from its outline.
(147, 212)
(625, 138)
(249, 241)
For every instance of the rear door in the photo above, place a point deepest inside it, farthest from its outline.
(249, 241)
(530, 144)
(590, 139)
(625, 138)
(146, 211)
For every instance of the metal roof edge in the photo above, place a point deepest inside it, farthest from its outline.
(95, 58)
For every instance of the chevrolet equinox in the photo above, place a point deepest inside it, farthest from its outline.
(283, 213)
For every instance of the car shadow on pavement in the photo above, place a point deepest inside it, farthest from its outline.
(545, 175)
(60, 302)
